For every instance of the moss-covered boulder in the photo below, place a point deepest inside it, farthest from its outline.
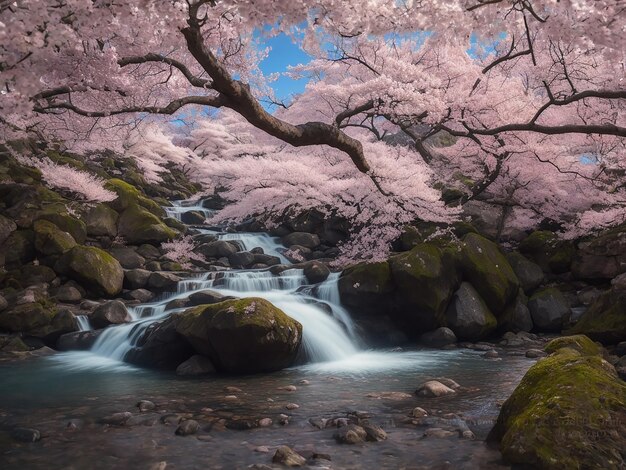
(425, 279)
(101, 220)
(549, 309)
(468, 316)
(605, 319)
(548, 251)
(27, 317)
(19, 248)
(365, 288)
(94, 268)
(568, 412)
(50, 239)
(136, 225)
(242, 336)
(128, 195)
(486, 268)
(580, 343)
(66, 222)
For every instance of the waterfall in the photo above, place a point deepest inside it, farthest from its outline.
(328, 330)
(178, 208)
(83, 323)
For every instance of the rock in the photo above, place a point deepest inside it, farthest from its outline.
(196, 365)
(605, 319)
(161, 281)
(113, 312)
(493, 354)
(549, 309)
(241, 259)
(545, 249)
(366, 286)
(292, 406)
(50, 239)
(433, 388)
(352, 434)
(7, 227)
(193, 218)
(187, 427)
(150, 252)
(620, 349)
(267, 260)
(19, 248)
(288, 457)
(117, 419)
(516, 316)
(140, 295)
(316, 272)
(137, 226)
(265, 422)
(307, 240)
(3, 303)
(535, 353)
(68, 294)
(67, 223)
(438, 433)
(206, 297)
(602, 258)
(419, 412)
(486, 268)
(31, 274)
(529, 274)
(564, 402)
(26, 317)
(580, 343)
(100, 221)
(246, 335)
(374, 433)
(160, 346)
(136, 278)
(468, 316)
(79, 340)
(217, 249)
(26, 434)
(93, 268)
(619, 282)
(145, 405)
(128, 257)
(442, 336)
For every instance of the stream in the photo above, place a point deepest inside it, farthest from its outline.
(65, 394)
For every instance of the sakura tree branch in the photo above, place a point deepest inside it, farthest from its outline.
(151, 57)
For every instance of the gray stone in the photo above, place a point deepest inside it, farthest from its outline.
(468, 316)
(113, 312)
(529, 274)
(268, 260)
(516, 317)
(241, 259)
(196, 365)
(549, 309)
(193, 218)
(217, 249)
(127, 257)
(187, 427)
(163, 281)
(68, 294)
(316, 272)
(440, 337)
(374, 433)
(7, 226)
(136, 278)
(101, 220)
(352, 434)
(140, 295)
(288, 457)
(78, 341)
(206, 297)
(117, 419)
(308, 240)
(434, 388)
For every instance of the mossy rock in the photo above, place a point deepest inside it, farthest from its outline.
(468, 316)
(66, 222)
(27, 317)
(486, 268)
(175, 224)
(366, 287)
(425, 279)
(568, 412)
(136, 225)
(605, 319)
(19, 248)
(12, 343)
(580, 343)
(242, 336)
(128, 196)
(94, 268)
(545, 249)
(101, 220)
(50, 239)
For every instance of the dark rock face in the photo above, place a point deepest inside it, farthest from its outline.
(307, 240)
(196, 365)
(192, 218)
(110, 313)
(549, 309)
(163, 281)
(516, 316)
(217, 249)
(442, 336)
(238, 336)
(366, 287)
(468, 316)
(602, 258)
(160, 347)
(136, 278)
(529, 274)
(241, 259)
(316, 272)
(101, 220)
(127, 257)
(79, 340)
(94, 268)
(605, 319)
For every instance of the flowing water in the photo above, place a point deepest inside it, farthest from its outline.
(343, 375)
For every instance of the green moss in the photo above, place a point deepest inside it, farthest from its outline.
(96, 269)
(568, 412)
(545, 249)
(486, 268)
(138, 226)
(50, 239)
(27, 317)
(605, 319)
(128, 196)
(538, 241)
(65, 222)
(580, 343)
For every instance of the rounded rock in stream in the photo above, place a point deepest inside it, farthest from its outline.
(187, 428)
(288, 457)
(113, 312)
(433, 388)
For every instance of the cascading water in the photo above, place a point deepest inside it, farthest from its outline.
(328, 331)
(83, 323)
(178, 208)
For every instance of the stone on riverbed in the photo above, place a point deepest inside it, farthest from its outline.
(288, 457)
(434, 388)
(238, 336)
(187, 428)
(352, 434)
(438, 338)
(113, 312)
(196, 365)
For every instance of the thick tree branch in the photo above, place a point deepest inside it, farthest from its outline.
(603, 129)
(195, 81)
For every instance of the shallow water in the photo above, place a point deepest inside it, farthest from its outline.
(47, 393)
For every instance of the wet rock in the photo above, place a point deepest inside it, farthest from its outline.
(68, 294)
(163, 281)
(101, 220)
(307, 240)
(187, 428)
(419, 412)
(516, 317)
(262, 449)
(268, 260)
(316, 272)
(217, 249)
(140, 295)
(78, 341)
(128, 257)
(206, 297)
(113, 312)
(319, 423)
(374, 433)
(604, 320)
(241, 259)
(265, 422)
(288, 388)
(438, 433)
(283, 419)
(26, 434)
(529, 274)
(535, 353)
(196, 365)
(117, 419)
(288, 457)
(548, 309)
(241, 424)
(50, 239)
(434, 388)
(619, 282)
(440, 337)
(7, 227)
(193, 218)
(493, 354)
(93, 268)
(171, 419)
(137, 226)
(468, 316)
(396, 396)
(353, 434)
(136, 278)
(292, 406)
(3, 303)
(231, 389)
(145, 405)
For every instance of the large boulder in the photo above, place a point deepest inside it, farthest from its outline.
(94, 268)
(101, 220)
(50, 239)
(544, 248)
(604, 257)
(136, 278)
(569, 411)
(549, 309)
(468, 316)
(425, 279)
(530, 274)
(113, 312)
(217, 249)
(19, 248)
(128, 195)
(160, 346)
(241, 259)
(605, 319)
(365, 288)
(128, 257)
(137, 225)
(7, 227)
(66, 222)
(161, 281)
(486, 268)
(516, 316)
(307, 240)
(316, 272)
(26, 317)
(242, 336)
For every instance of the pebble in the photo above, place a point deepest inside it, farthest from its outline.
(350, 435)
(187, 428)
(146, 405)
(283, 419)
(117, 419)
(288, 388)
(433, 388)
(232, 390)
(419, 412)
(304, 382)
(230, 397)
(265, 422)
(262, 449)
(493, 354)
(292, 406)
(286, 456)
